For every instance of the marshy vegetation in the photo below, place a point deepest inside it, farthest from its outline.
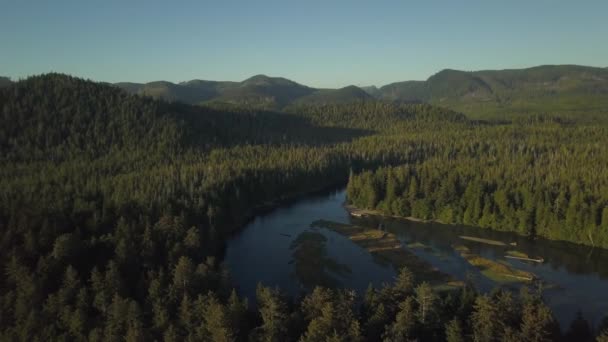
(497, 271)
(388, 249)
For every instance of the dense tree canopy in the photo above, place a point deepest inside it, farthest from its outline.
(538, 180)
(114, 210)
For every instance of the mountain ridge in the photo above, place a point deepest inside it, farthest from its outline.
(558, 89)
(570, 90)
(562, 90)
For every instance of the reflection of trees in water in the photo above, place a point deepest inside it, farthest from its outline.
(313, 267)
(576, 259)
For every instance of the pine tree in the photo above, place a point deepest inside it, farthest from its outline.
(453, 331)
(183, 273)
(185, 314)
(170, 334)
(374, 326)
(425, 297)
(402, 328)
(405, 282)
(508, 309)
(483, 320)
(237, 311)
(313, 304)
(273, 311)
(537, 323)
(217, 324)
(335, 317)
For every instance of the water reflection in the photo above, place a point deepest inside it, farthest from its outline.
(312, 265)
(577, 276)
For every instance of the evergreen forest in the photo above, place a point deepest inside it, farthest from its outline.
(115, 209)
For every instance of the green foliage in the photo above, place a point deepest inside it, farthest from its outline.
(402, 329)
(552, 91)
(333, 316)
(312, 264)
(540, 180)
(259, 91)
(453, 331)
(217, 325)
(350, 94)
(538, 323)
(484, 323)
(114, 208)
(274, 314)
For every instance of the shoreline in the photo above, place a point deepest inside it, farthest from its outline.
(358, 212)
(269, 206)
(361, 213)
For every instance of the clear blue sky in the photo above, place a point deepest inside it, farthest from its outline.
(325, 43)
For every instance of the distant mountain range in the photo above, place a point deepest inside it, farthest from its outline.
(545, 89)
(259, 90)
(549, 89)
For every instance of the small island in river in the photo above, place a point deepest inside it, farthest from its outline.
(387, 248)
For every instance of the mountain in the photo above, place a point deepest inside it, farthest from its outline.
(562, 89)
(257, 91)
(191, 92)
(5, 81)
(261, 90)
(372, 90)
(344, 95)
(406, 91)
(56, 117)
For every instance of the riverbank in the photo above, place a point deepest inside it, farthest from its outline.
(260, 253)
(358, 212)
(269, 206)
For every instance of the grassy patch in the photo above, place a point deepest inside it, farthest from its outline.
(517, 254)
(312, 265)
(427, 248)
(497, 271)
(387, 249)
(418, 245)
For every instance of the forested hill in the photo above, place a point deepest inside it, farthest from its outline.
(557, 90)
(5, 81)
(58, 117)
(375, 115)
(260, 91)
(551, 89)
(348, 94)
(114, 209)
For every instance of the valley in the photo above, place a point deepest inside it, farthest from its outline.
(136, 202)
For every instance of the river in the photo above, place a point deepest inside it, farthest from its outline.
(263, 252)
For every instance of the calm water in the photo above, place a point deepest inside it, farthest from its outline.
(262, 253)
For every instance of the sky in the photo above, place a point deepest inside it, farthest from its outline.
(329, 43)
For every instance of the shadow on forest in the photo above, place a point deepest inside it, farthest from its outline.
(207, 127)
